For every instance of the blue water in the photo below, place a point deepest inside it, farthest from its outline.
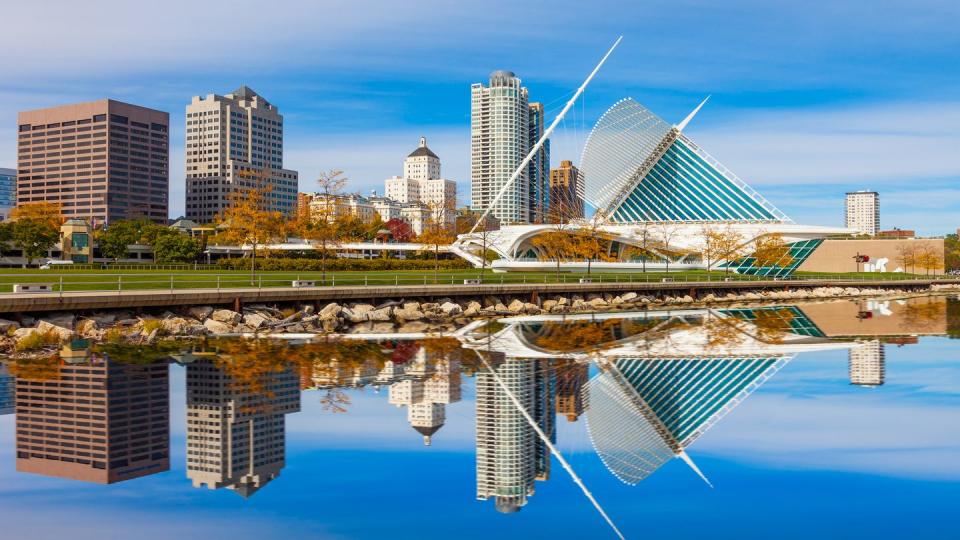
(807, 454)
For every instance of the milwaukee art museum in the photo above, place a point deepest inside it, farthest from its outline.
(656, 194)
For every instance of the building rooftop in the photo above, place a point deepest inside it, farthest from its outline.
(422, 150)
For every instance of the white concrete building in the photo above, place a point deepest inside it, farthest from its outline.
(230, 140)
(863, 211)
(421, 183)
(431, 386)
(867, 363)
(499, 141)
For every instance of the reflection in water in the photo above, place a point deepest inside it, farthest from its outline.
(93, 419)
(236, 428)
(661, 380)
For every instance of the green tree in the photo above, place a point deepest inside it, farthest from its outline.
(35, 238)
(114, 239)
(176, 248)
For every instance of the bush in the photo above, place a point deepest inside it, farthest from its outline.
(37, 340)
(314, 265)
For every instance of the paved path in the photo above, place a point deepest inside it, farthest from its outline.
(95, 300)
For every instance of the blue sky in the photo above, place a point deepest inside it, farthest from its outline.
(809, 99)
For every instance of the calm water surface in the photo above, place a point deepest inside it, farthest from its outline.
(834, 420)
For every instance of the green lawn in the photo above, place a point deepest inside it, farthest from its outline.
(112, 280)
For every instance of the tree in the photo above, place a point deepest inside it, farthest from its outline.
(249, 220)
(666, 231)
(726, 245)
(929, 258)
(400, 231)
(590, 242)
(176, 248)
(770, 250)
(554, 245)
(907, 256)
(36, 228)
(433, 236)
(321, 223)
(114, 238)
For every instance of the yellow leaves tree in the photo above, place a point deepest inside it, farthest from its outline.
(555, 245)
(721, 244)
(322, 223)
(35, 228)
(434, 235)
(908, 255)
(929, 259)
(248, 218)
(770, 250)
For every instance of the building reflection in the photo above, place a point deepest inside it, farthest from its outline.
(236, 427)
(86, 417)
(7, 391)
(571, 376)
(866, 363)
(424, 386)
(510, 455)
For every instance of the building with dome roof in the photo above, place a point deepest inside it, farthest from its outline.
(422, 184)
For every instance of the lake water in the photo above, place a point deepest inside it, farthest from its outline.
(829, 420)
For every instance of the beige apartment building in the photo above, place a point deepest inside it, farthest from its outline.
(566, 192)
(101, 161)
(863, 212)
(421, 183)
(235, 142)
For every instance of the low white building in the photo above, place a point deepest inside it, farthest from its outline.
(421, 183)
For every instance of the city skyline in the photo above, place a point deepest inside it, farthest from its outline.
(797, 119)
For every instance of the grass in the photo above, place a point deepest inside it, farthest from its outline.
(113, 280)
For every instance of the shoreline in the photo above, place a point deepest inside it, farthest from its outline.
(31, 335)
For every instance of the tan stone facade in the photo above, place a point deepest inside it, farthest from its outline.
(102, 160)
(885, 254)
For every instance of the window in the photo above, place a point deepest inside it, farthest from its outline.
(119, 119)
(99, 117)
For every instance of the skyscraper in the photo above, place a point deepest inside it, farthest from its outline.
(571, 377)
(236, 430)
(566, 192)
(500, 137)
(867, 361)
(510, 455)
(863, 211)
(232, 142)
(96, 420)
(421, 183)
(8, 191)
(538, 170)
(103, 160)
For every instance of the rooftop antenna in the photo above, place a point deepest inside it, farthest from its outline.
(546, 135)
(690, 116)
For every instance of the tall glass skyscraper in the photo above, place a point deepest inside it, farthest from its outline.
(8, 191)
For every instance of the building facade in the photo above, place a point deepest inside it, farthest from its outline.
(863, 212)
(8, 391)
(235, 142)
(867, 363)
(236, 430)
(421, 183)
(101, 161)
(94, 420)
(8, 192)
(499, 141)
(538, 170)
(566, 193)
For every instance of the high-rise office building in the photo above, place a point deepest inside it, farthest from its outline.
(96, 420)
(500, 138)
(571, 378)
(421, 183)
(566, 192)
(867, 361)
(102, 161)
(236, 430)
(538, 170)
(863, 211)
(7, 391)
(510, 455)
(235, 142)
(8, 192)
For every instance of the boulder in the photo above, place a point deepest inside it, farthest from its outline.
(7, 327)
(628, 297)
(516, 307)
(254, 320)
(200, 313)
(103, 319)
(472, 309)
(404, 314)
(597, 302)
(63, 320)
(62, 333)
(381, 327)
(88, 328)
(330, 311)
(380, 315)
(450, 309)
(21, 333)
(352, 316)
(548, 305)
(226, 316)
(216, 327)
(362, 308)
(531, 308)
(687, 299)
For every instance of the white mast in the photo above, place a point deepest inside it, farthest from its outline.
(546, 135)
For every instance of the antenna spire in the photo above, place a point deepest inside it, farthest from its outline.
(692, 114)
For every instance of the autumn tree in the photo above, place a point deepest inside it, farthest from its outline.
(590, 242)
(249, 219)
(769, 250)
(642, 247)
(908, 255)
(36, 228)
(929, 258)
(727, 244)
(321, 223)
(433, 236)
(555, 245)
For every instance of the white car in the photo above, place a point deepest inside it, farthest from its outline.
(51, 264)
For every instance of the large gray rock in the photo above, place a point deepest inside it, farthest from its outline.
(352, 316)
(362, 308)
(472, 309)
(200, 313)
(7, 327)
(380, 315)
(450, 309)
(216, 327)
(254, 320)
(226, 316)
(62, 333)
(404, 314)
(516, 306)
(330, 311)
(627, 297)
(88, 328)
(63, 320)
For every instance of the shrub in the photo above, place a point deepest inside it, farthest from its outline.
(149, 325)
(313, 265)
(37, 340)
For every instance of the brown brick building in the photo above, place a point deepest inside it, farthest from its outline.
(96, 421)
(564, 184)
(103, 160)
